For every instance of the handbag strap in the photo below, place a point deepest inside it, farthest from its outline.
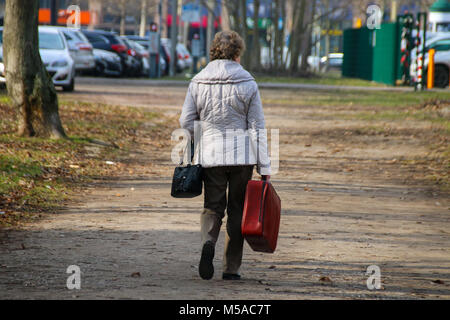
(186, 150)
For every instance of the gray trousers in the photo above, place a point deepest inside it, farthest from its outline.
(216, 182)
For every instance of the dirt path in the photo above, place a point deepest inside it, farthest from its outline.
(347, 204)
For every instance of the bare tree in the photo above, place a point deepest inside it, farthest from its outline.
(256, 48)
(244, 30)
(123, 13)
(225, 16)
(143, 20)
(279, 33)
(298, 27)
(211, 6)
(29, 85)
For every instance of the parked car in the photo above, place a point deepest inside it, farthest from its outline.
(162, 64)
(441, 67)
(55, 55)
(109, 41)
(80, 49)
(183, 53)
(441, 43)
(107, 63)
(139, 53)
(144, 54)
(144, 42)
(166, 46)
(333, 61)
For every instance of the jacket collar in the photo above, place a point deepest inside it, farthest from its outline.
(223, 72)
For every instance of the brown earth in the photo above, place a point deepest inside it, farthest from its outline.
(349, 200)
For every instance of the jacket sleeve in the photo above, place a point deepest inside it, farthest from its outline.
(258, 133)
(189, 112)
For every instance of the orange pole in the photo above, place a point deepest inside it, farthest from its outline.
(430, 82)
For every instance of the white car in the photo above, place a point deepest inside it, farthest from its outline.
(441, 43)
(184, 54)
(167, 45)
(441, 67)
(80, 49)
(334, 61)
(56, 57)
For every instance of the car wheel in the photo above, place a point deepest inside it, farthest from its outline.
(70, 87)
(441, 77)
(100, 69)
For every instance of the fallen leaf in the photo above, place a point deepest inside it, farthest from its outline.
(325, 279)
(136, 275)
(438, 281)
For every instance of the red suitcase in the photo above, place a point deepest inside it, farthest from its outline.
(261, 217)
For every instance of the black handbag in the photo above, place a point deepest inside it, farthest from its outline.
(187, 180)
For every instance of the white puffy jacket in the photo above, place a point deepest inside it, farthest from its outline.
(223, 111)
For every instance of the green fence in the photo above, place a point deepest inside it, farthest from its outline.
(373, 54)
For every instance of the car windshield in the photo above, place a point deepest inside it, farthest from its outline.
(49, 40)
(78, 36)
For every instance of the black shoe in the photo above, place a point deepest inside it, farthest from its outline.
(230, 276)
(206, 267)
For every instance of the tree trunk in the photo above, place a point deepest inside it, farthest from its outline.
(256, 48)
(173, 38)
(307, 37)
(244, 31)
(165, 12)
(225, 17)
(210, 26)
(278, 42)
(394, 10)
(95, 12)
(29, 85)
(327, 35)
(296, 35)
(123, 12)
(143, 24)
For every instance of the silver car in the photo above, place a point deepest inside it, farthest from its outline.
(55, 56)
(80, 49)
(184, 53)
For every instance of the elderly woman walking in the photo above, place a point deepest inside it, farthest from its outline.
(223, 101)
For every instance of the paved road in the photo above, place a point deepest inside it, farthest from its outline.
(347, 204)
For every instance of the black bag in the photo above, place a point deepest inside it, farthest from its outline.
(187, 180)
